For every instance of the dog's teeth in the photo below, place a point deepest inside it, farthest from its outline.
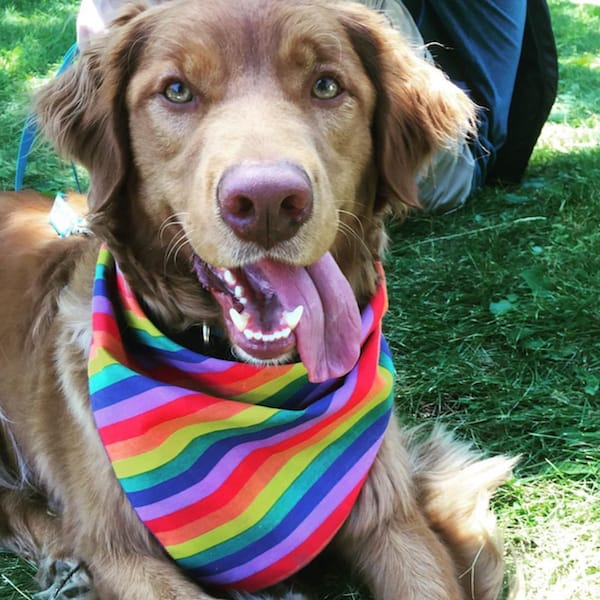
(292, 318)
(229, 277)
(240, 321)
(238, 291)
(253, 335)
(258, 336)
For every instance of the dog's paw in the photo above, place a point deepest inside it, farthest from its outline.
(64, 579)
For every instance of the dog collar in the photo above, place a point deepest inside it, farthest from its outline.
(244, 473)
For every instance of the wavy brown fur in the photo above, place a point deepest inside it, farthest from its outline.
(154, 170)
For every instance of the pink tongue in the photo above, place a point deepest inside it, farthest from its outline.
(328, 335)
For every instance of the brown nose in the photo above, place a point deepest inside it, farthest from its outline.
(265, 202)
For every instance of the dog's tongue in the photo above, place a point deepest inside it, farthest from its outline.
(328, 334)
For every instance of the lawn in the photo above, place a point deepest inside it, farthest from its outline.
(495, 310)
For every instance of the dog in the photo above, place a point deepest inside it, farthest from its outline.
(242, 160)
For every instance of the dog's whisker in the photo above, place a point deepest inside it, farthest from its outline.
(175, 246)
(179, 246)
(177, 242)
(354, 217)
(350, 234)
(170, 221)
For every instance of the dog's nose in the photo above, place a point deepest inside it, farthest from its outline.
(265, 202)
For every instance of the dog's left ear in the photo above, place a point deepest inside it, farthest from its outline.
(83, 111)
(419, 110)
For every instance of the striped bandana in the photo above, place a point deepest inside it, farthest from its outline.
(244, 473)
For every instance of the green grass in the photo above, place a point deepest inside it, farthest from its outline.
(34, 36)
(495, 310)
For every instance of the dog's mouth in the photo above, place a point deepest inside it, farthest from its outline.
(274, 310)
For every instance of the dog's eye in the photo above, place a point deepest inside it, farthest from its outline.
(178, 93)
(326, 88)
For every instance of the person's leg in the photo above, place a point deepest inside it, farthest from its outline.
(447, 181)
(479, 47)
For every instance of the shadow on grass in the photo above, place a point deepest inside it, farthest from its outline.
(567, 176)
(495, 320)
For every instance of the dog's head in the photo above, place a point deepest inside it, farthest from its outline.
(242, 156)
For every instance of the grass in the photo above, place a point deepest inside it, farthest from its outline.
(34, 36)
(495, 310)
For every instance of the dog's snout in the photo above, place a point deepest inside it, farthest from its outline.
(265, 202)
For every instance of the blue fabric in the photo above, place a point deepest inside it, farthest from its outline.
(30, 129)
(479, 46)
(27, 137)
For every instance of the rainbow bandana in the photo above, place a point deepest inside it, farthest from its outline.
(244, 473)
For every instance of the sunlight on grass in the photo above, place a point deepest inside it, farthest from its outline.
(554, 552)
(9, 61)
(561, 137)
(587, 59)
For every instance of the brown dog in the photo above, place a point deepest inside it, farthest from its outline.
(226, 135)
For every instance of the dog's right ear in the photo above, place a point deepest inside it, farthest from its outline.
(83, 111)
(419, 110)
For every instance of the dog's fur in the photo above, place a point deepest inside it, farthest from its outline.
(421, 528)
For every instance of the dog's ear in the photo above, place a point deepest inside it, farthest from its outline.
(83, 111)
(418, 111)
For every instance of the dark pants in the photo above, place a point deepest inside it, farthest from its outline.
(478, 44)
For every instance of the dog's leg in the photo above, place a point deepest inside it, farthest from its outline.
(133, 577)
(387, 538)
(143, 578)
(124, 560)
